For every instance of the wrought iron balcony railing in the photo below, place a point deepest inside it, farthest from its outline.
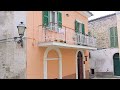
(52, 33)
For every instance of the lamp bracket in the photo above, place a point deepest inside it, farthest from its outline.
(19, 40)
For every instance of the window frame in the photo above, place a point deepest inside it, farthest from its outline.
(53, 26)
(55, 16)
(114, 36)
(80, 25)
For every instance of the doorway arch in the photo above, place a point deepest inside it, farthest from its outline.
(80, 65)
(116, 64)
(79, 60)
(46, 59)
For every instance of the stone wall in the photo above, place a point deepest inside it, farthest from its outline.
(100, 29)
(12, 56)
(102, 60)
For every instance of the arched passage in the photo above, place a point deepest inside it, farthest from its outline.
(46, 59)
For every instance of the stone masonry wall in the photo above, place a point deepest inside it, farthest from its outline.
(100, 29)
(12, 56)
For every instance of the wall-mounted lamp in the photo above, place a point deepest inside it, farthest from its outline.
(21, 29)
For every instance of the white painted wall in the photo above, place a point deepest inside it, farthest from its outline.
(102, 60)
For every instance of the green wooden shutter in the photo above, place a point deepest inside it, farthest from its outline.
(76, 27)
(116, 41)
(59, 17)
(116, 37)
(112, 37)
(46, 18)
(83, 29)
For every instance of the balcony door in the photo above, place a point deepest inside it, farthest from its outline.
(79, 27)
(80, 31)
(53, 20)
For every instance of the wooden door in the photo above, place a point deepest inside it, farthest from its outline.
(116, 64)
(80, 65)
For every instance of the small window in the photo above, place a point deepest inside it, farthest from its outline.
(92, 71)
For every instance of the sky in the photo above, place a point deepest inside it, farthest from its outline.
(97, 14)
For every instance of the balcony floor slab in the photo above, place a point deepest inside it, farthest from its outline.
(64, 45)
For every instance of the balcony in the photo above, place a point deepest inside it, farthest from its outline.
(64, 36)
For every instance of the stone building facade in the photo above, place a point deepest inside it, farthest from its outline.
(12, 56)
(100, 28)
(102, 59)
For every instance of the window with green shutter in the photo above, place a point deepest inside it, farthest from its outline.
(76, 27)
(59, 19)
(83, 29)
(113, 37)
(116, 37)
(53, 19)
(46, 18)
(79, 27)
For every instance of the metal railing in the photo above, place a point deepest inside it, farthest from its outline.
(85, 40)
(65, 34)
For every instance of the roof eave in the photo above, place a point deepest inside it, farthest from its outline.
(90, 13)
(87, 14)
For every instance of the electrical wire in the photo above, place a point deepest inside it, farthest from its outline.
(6, 39)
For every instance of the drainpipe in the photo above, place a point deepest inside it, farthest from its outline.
(118, 29)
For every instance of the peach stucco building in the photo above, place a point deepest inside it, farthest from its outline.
(58, 44)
